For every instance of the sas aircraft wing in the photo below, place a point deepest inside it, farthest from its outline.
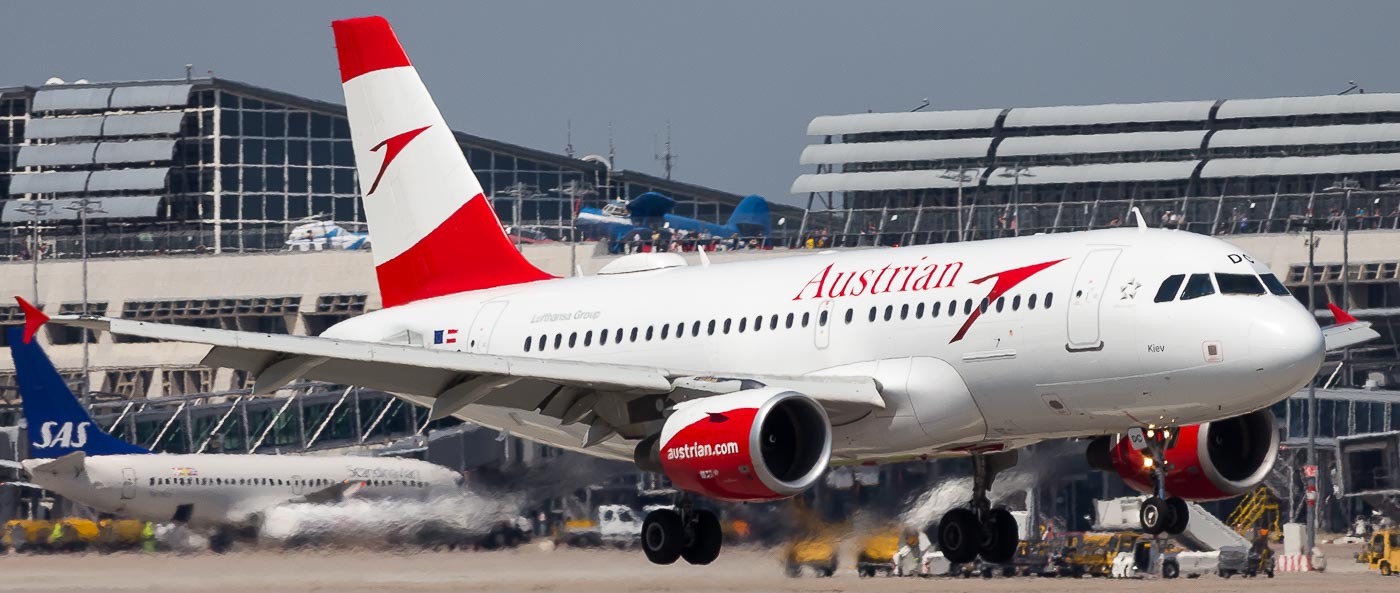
(586, 403)
(1347, 332)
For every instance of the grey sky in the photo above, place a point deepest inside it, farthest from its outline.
(738, 80)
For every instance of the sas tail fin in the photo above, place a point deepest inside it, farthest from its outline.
(57, 423)
(433, 230)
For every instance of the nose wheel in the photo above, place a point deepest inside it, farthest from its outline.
(693, 534)
(978, 530)
(1160, 513)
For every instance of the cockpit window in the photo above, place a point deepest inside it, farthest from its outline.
(1169, 288)
(1274, 285)
(1198, 286)
(1239, 284)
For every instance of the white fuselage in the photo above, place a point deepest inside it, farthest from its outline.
(1094, 355)
(235, 489)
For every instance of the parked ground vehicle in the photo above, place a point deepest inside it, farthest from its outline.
(1248, 562)
(877, 552)
(1093, 553)
(815, 550)
(27, 535)
(1382, 552)
(617, 525)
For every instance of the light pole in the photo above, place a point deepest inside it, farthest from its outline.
(34, 208)
(573, 189)
(1016, 172)
(1346, 186)
(961, 176)
(83, 207)
(1311, 482)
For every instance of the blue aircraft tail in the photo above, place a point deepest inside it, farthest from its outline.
(57, 423)
(750, 215)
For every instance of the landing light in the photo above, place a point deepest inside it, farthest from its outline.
(1147, 462)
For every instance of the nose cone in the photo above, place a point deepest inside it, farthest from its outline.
(1286, 347)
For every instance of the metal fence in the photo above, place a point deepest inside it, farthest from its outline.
(1211, 215)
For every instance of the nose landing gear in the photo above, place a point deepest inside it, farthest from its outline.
(689, 533)
(1160, 513)
(964, 533)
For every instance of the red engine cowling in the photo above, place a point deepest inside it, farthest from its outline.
(1210, 461)
(752, 445)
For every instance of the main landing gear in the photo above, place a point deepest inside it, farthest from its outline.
(1159, 513)
(686, 532)
(964, 533)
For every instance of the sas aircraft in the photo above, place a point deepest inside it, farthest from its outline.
(746, 381)
(72, 455)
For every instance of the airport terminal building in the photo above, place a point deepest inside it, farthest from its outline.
(215, 165)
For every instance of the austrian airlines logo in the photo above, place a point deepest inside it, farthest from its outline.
(66, 437)
(1005, 281)
(392, 146)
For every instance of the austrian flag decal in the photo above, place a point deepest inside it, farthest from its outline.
(445, 336)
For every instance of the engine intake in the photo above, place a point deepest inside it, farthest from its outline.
(752, 445)
(1210, 461)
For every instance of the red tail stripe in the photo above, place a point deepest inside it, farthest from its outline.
(468, 251)
(366, 44)
(1342, 316)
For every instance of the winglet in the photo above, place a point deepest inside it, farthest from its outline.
(1342, 316)
(33, 319)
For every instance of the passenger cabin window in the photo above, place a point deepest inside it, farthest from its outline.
(1169, 288)
(1049, 299)
(1198, 286)
(1239, 284)
(1273, 284)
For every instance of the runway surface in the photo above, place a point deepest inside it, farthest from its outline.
(532, 569)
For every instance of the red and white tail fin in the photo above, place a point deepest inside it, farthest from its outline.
(433, 230)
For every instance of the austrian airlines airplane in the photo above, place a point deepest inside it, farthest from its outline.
(746, 381)
(226, 494)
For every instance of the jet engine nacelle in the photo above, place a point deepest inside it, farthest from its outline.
(752, 445)
(1210, 461)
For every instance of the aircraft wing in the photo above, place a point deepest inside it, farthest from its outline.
(334, 493)
(1347, 332)
(602, 397)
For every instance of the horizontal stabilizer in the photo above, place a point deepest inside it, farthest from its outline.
(70, 464)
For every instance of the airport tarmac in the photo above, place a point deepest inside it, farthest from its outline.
(575, 571)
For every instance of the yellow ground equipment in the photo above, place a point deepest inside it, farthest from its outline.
(1382, 552)
(1093, 553)
(27, 535)
(73, 535)
(1258, 510)
(877, 550)
(816, 550)
(119, 534)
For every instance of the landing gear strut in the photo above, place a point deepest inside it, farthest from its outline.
(975, 530)
(669, 535)
(1160, 513)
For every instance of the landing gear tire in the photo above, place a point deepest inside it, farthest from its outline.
(703, 546)
(663, 536)
(1180, 515)
(998, 536)
(958, 535)
(1154, 515)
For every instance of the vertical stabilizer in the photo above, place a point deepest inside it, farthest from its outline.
(57, 423)
(433, 230)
